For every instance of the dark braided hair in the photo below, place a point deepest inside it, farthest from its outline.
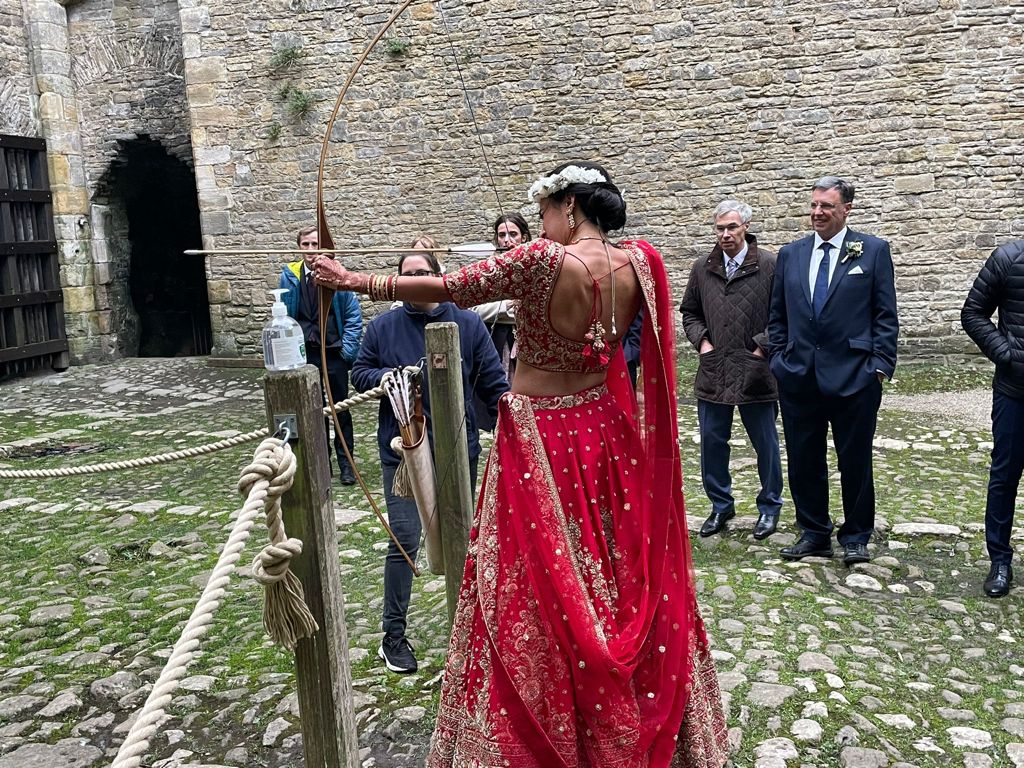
(601, 202)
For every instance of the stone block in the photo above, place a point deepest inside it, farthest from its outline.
(100, 321)
(55, 61)
(216, 115)
(215, 199)
(194, 19)
(102, 273)
(216, 223)
(81, 299)
(202, 94)
(191, 46)
(218, 291)
(59, 168)
(209, 69)
(911, 185)
(215, 155)
(73, 200)
(51, 107)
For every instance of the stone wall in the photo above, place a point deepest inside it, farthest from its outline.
(127, 69)
(920, 102)
(17, 107)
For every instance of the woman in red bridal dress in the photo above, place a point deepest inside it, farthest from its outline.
(577, 640)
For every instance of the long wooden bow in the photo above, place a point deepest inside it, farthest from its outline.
(326, 295)
(327, 241)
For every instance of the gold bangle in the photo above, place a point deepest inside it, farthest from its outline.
(393, 286)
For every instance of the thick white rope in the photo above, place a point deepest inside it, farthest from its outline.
(371, 394)
(269, 476)
(145, 461)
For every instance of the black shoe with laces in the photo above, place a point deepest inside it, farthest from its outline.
(397, 654)
(1000, 577)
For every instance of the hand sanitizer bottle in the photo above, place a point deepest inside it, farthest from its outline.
(283, 345)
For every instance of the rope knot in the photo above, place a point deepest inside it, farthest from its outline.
(272, 564)
(274, 462)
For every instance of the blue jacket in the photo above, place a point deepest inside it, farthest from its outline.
(398, 338)
(346, 310)
(854, 338)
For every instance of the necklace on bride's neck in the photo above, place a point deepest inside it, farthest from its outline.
(581, 239)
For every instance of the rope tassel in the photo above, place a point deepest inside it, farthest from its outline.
(286, 617)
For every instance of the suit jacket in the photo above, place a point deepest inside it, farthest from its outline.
(853, 339)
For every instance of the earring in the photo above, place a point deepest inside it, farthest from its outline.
(572, 222)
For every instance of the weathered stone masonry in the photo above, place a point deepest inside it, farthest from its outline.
(921, 102)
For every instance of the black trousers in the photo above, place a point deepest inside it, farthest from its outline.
(337, 374)
(404, 519)
(1004, 475)
(806, 418)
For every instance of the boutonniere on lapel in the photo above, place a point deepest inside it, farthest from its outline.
(854, 250)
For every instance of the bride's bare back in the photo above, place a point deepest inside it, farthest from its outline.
(571, 311)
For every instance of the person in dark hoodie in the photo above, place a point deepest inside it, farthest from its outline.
(392, 340)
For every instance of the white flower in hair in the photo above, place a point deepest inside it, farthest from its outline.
(571, 174)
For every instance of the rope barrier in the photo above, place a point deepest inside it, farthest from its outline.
(263, 482)
(141, 462)
(371, 394)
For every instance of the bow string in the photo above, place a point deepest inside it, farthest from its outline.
(326, 240)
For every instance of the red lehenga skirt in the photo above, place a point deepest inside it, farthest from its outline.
(577, 641)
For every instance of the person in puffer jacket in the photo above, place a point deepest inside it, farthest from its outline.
(1000, 286)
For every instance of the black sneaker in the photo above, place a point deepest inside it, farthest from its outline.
(397, 654)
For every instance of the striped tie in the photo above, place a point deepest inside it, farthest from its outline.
(730, 268)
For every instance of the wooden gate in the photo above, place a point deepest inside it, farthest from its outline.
(31, 303)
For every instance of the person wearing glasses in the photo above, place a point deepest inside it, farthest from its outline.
(393, 340)
(725, 317)
(577, 639)
(510, 230)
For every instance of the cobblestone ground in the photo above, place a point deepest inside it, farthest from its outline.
(899, 662)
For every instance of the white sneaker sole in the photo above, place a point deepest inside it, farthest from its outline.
(392, 667)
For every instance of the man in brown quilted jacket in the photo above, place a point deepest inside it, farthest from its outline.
(725, 316)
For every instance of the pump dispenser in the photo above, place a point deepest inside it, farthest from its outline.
(283, 345)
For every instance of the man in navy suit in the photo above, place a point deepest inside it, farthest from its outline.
(832, 333)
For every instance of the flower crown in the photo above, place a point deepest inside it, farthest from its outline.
(571, 174)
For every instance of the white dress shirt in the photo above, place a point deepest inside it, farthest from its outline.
(836, 241)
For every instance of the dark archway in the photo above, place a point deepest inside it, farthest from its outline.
(156, 194)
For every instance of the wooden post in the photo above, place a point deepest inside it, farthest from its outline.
(322, 670)
(451, 452)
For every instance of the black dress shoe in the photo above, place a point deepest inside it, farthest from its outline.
(765, 526)
(855, 553)
(1000, 576)
(716, 522)
(348, 477)
(806, 548)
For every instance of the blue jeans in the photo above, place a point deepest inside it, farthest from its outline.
(404, 519)
(715, 420)
(1004, 475)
